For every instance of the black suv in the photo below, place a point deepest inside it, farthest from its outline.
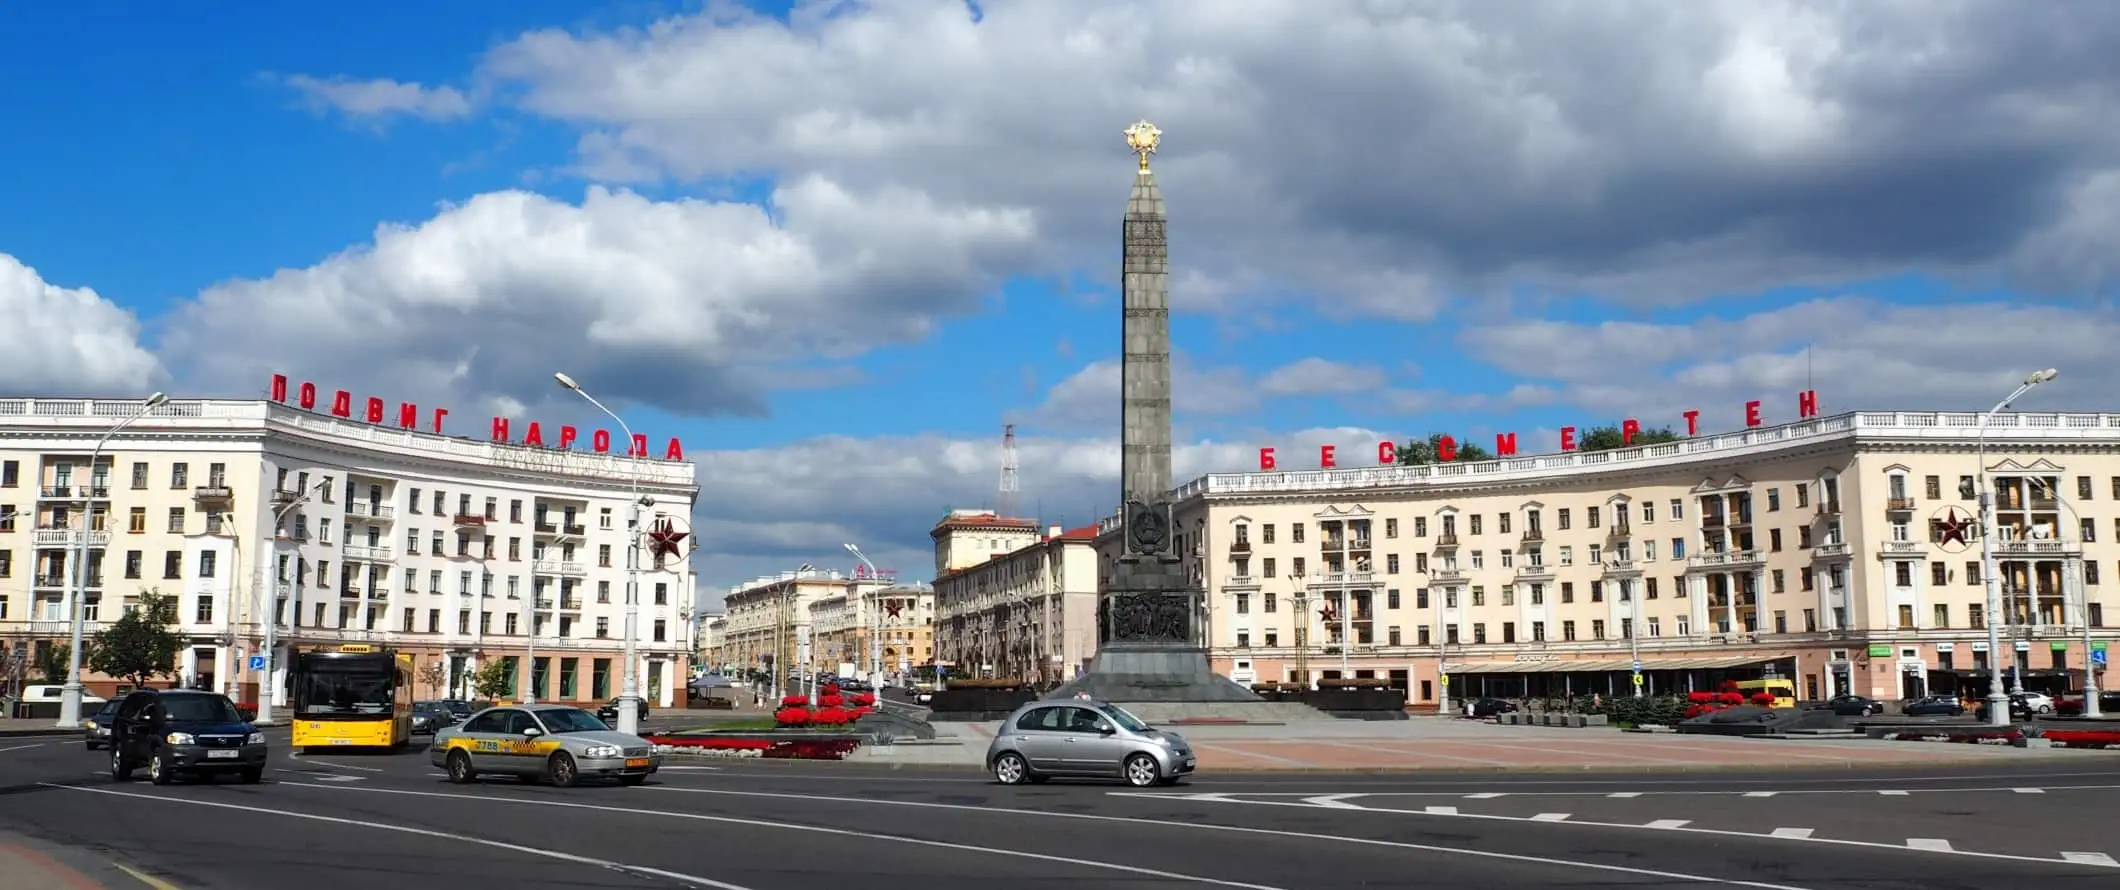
(609, 712)
(183, 731)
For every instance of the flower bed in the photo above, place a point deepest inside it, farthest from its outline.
(831, 709)
(2084, 738)
(1964, 737)
(771, 749)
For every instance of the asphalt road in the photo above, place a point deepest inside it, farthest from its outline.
(391, 821)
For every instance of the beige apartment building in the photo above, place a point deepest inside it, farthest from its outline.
(821, 621)
(1030, 613)
(455, 551)
(1839, 552)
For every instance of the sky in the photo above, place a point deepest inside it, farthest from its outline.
(836, 246)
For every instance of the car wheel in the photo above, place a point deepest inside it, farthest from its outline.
(121, 770)
(253, 775)
(2046, 709)
(158, 770)
(1011, 769)
(1142, 772)
(460, 770)
(562, 770)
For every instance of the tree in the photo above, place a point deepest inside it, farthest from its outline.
(1606, 438)
(432, 676)
(1421, 452)
(142, 644)
(492, 679)
(52, 662)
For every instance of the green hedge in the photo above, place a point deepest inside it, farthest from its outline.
(1661, 710)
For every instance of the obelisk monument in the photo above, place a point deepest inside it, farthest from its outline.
(1150, 645)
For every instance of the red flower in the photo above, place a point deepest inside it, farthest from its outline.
(795, 701)
(791, 717)
(831, 701)
(1731, 698)
(1700, 698)
(1763, 699)
(865, 699)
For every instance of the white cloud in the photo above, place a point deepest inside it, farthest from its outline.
(691, 306)
(1650, 151)
(379, 98)
(67, 341)
(1089, 399)
(1862, 355)
(1318, 376)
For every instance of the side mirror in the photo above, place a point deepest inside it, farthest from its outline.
(247, 714)
(1107, 729)
(532, 732)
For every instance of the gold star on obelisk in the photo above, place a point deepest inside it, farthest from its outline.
(1142, 138)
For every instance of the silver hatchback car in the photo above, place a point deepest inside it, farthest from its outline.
(1081, 737)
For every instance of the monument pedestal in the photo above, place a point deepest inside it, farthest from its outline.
(1131, 673)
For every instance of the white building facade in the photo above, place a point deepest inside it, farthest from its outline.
(1028, 614)
(451, 550)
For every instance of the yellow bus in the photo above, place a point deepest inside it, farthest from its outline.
(354, 696)
(1784, 691)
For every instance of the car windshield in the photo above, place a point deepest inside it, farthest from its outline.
(325, 691)
(109, 708)
(200, 709)
(428, 707)
(1124, 719)
(560, 720)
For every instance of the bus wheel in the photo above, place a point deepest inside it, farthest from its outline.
(460, 770)
(562, 770)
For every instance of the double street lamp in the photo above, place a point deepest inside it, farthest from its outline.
(1997, 699)
(876, 633)
(2071, 577)
(76, 589)
(270, 687)
(629, 685)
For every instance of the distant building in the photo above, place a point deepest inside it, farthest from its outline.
(1028, 613)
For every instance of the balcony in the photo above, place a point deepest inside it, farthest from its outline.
(69, 537)
(1620, 532)
(558, 567)
(1242, 581)
(1534, 572)
(1899, 505)
(70, 492)
(1741, 519)
(1534, 536)
(283, 496)
(1711, 520)
(1240, 545)
(2019, 548)
(574, 529)
(372, 511)
(570, 604)
(1617, 567)
(1446, 540)
(378, 591)
(367, 553)
(469, 520)
(1830, 507)
(1332, 542)
(1359, 543)
(1903, 549)
(1830, 550)
(1333, 579)
(1445, 576)
(213, 496)
(546, 528)
(1726, 560)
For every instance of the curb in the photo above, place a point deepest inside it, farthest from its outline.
(37, 733)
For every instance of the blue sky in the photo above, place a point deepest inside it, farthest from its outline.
(1495, 247)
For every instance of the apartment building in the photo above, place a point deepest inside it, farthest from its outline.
(453, 550)
(820, 621)
(1840, 552)
(1028, 614)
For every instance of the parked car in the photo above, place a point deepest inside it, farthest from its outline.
(609, 712)
(2038, 702)
(557, 743)
(1488, 707)
(430, 717)
(1088, 738)
(2021, 708)
(97, 728)
(2108, 703)
(1853, 705)
(1934, 706)
(174, 732)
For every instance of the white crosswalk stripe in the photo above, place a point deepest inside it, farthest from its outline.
(2091, 859)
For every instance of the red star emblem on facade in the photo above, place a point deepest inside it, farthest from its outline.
(1327, 613)
(665, 541)
(892, 608)
(1954, 527)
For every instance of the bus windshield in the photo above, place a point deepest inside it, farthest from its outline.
(345, 687)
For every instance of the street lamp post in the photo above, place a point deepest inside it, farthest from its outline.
(77, 590)
(530, 650)
(629, 684)
(2071, 577)
(1998, 700)
(270, 686)
(876, 634)
(1634, 631)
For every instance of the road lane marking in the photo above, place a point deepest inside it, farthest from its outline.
(1791, 834)
(2091, 859)
(1550, 817)
(1442, 811)
(23, 747)
(686, 769)
(1230, 829)
(1333, 801)
(153, 883)
(1893, 793)
(694, 880)
(1761, 793)
(816, 829)
(2029, 790)
(1486, 795)
(1624, 794)
(333, 765)
(1777, 792)
(1930, 844)
(1668, 824)
(1788, 834)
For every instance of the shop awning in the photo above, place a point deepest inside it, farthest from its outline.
(1609, 664)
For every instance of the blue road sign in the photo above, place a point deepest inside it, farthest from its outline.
(1637, 666)
(2098, 657)
(257, 662)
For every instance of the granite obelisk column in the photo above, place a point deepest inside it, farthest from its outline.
(1149, 628)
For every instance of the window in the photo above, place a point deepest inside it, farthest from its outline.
(1903, 573)
(10, 473)
(1943, 616)
(1391, 528)
(1295, 532)
(1476, 523)
(1391, 564)
(133, 559)
(603, 555)
(173, 565)
(203, 612)
(176, 520)
(661, 630)
(179, 475)
(1678, 509)
(1939, 574)
(207, 559)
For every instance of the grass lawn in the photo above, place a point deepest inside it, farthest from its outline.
(740, 724)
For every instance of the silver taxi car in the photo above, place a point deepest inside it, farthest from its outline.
(1087, 738)
(560, 744)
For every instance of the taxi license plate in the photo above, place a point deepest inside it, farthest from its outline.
(637, 763)
(222, 755)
